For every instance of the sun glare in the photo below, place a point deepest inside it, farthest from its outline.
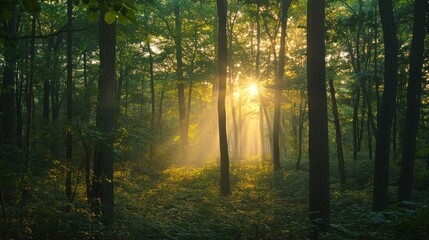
(253, 90)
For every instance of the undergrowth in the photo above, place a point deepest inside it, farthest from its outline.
(184, 203)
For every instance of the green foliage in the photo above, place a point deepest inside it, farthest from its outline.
(405, 220)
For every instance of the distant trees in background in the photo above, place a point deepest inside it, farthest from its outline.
(92, 87)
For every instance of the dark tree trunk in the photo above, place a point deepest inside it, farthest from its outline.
(376, 78)
(69, 137)
(7, 95)
(87, 107)
(102, 185)
(362, 125)
(30, 110)
(356, 100)
(387, 106)
(152, 100)
(338, 138)
(279, 87)
(413, 102)
(161, 100)
(8, 102)
(318, 149)
(180, 83)
(302, 108)
(225, 187)
(258, 80)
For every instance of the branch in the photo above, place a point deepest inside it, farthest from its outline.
(61, 30)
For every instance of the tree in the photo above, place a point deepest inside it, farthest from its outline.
(102, 185)
(405, 190)
(69, 138)
(318, 149)
(8, 117)
(387, 106)
(338, 137)
(180, 82)
(225, 187)
(279, 86)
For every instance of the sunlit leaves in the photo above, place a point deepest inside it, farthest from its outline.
(110, 17)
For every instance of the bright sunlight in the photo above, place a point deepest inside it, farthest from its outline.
(253, 90)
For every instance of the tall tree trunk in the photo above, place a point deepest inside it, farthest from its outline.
(30, 111)
(87, 107)
(338, 138)
(225, 187)
(69, 137)
(376, 78)
(180, 83)
(279, 87)
(319, 198)
(152, 100)
(258, 80)
(362, 124)
(356, 100)
(387, 106)
(405, 192)
(302, 108)
(102, 185)
(8, 103)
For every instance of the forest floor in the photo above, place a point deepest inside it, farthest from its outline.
(184, 203)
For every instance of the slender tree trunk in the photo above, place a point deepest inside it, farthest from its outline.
(161, 100)
(180, 83)
(362, 125)
(87, 107)
(356, 100)
(376, 78)
(102, 185)
(300, 130)
(279, 87)
(8, 102)
(69, 137)
(19, 97)
(387, 106)
(319, 197)
(405, 192)
(30, 111)
(267, 121)
(338, 138)
(152, 100)
(225, 187)
(258, 80)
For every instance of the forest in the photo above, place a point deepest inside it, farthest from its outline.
(226, 119)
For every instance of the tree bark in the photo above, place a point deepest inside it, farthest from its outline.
(69, 137)
(258, 80)
(387, 106)
(8, 103)
(356, 100)
(102, 185)
(302, 108)
(180, 83)
(338, 138)
(225, 187)
(405, 192)
(318, 149)
(279, 87)
(152, 101)
(30, 111)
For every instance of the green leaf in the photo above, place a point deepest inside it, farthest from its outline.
(123, 19)
(130, 15)
(110, 17)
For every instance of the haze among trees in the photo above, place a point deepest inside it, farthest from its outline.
(239, 119)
